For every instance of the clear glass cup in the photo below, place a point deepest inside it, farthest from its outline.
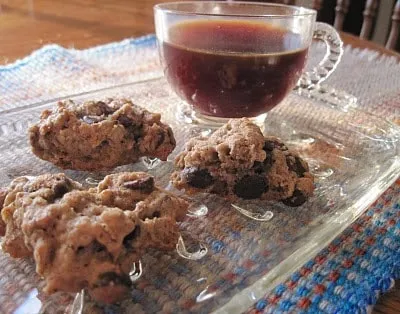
(239, 59)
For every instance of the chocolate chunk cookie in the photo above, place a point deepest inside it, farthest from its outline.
(89, 238)
(98, 135)
(237, 161)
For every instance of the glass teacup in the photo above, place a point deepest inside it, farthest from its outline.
(239, 59)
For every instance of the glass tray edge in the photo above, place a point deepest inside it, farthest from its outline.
(243, 300)
(317, 94)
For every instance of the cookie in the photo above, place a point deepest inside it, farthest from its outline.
(238, 162)
(99, 135)
(89, 238)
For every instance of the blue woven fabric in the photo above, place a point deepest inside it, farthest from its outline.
(54, 71)
(349, 274)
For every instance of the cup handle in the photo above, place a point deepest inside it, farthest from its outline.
(334, 52)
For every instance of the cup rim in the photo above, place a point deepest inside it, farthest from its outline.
(302, 11)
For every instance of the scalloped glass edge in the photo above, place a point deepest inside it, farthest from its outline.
(338, 99)
(327, 231)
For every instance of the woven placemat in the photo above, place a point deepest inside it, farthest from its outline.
(345, 277)
(349, 275)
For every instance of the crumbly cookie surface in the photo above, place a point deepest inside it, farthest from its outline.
(98, 135)
(237, 161)
(89, 238)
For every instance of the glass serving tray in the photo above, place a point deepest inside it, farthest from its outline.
(353, 155)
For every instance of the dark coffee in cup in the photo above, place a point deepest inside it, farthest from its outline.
(232, 69)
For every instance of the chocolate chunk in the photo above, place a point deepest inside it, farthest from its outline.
(97, 247)
(251, 186)
(161, 139)
(302, 167)
(268, 162)
(171, 135)
(104, 143)
(298, 198)
(296, 165)
(104, 108)
(258, 167)
(198, 178)
(270, 145)
(137, 133)
(145, 185)
(127, 242)
(135, 130)
(94, 247)
(125, 121)
(265, 166)
(60, 189)
(156, 214)
(91, 119)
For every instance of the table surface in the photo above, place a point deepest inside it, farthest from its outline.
(26, 25)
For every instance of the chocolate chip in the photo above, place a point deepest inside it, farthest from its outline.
(97, 247)
(198, 178)
(137, 133)
(301, 165)
(125, 121)
(91, 119)
(298, 198)
(60, 189)
(171, 136)
(135, 130)
(111, 277)
(161, 139)
(296, 165)
(258, 167)
(251, 186)
(145, 185)
(268, 162)
(127, 242)
(104, 108)
(270, 145)
(155, 214)
(92, 248)
(262, 167)
(104, 143)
